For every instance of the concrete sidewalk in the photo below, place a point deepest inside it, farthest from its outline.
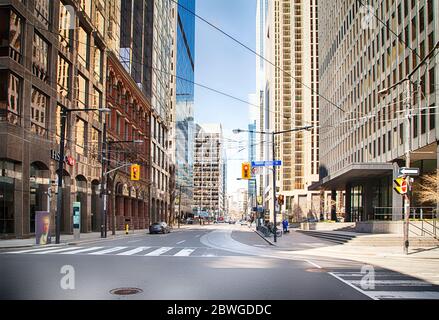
(422, 263)
(289, 241)
(68, 239)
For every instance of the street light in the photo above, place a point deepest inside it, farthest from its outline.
(273, 134)
(385, 91)
(64, 112)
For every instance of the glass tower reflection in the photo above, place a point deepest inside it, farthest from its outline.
(185, 100)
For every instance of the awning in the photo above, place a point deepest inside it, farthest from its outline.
(352, 173)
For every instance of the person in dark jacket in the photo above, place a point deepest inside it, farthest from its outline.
(285, 225)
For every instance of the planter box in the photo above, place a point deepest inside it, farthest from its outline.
(326, 226)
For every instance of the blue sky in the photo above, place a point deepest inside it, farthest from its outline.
(222, 64)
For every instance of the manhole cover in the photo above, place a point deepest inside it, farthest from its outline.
(315, 270)
(126, 291)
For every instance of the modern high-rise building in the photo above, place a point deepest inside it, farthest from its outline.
(209, 173)
(181, 133)
(146, 36)
(52, 57)
(291, 101)
(364, 133)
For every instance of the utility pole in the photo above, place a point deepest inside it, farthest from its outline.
(59, 204)
(179, 207)
(407, 164)
(104, 184)
(274, 188)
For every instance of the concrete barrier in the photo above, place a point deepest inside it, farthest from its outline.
(396, 227)
(328, 226)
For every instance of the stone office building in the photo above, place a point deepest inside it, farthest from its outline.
(51, 56)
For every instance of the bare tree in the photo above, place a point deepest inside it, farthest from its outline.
(426, 188)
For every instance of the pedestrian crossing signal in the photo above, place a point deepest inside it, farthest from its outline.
(401, 185)
(135, 172)
(246, 171)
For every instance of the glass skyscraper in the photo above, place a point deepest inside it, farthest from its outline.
(184, 113)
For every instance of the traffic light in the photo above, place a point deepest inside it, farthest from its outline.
(135, 172)
(401, 185)
(280, 199)
(246, 170)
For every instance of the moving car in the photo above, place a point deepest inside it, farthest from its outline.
(159, 227)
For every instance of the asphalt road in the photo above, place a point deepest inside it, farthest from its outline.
(209, 262)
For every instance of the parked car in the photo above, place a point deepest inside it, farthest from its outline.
(189, 221)
(159, 227)
(242, 222)
(232, 221)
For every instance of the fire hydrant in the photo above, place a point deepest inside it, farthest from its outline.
(127, 228)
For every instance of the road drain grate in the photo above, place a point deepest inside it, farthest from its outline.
(125, 291)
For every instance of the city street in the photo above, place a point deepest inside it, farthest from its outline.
(218, 261)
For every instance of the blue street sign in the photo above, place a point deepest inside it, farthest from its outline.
(266, 163)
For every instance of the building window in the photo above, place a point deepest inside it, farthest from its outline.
(100, 22)
(80, 130)
(42, 11)
(81, 91)
(63, 77)
(39, 107)
(94, 143)
(40, 58)
(14, 98)
(86, 6)
(66, 27)
(8, 172)
(98, 64)
(97, 103)
(83, 47)
(15, 36)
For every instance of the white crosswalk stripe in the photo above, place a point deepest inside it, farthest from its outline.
(184, 253)
(158, 251)
(34, 250)
(57, 250)
(133, 251)
(82, 250)
(107, 250)
(125, 251)
(401, 286)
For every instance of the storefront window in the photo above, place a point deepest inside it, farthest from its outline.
(38, 185)
(7, 174)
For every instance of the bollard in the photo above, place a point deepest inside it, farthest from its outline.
(127, 228)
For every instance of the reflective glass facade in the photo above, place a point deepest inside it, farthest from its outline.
(185, 96)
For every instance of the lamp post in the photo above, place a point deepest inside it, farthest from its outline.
(59, 206)
(273, 134)
(408, 137)
(104, 181)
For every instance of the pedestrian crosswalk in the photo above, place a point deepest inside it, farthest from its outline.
(385, 284)
(146, 251)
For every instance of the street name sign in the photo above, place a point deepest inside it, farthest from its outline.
(409, 171)
(266, 163)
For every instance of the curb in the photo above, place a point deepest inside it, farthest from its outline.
(263, 237)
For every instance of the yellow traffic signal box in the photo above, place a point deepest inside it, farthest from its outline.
(246, 170)
(401, 185)
(135, 172)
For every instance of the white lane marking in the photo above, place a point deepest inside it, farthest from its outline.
(34, 250)
(133, 251)
(57, 250)
(184, 252)
(377, 274)
(82, 250)
(108, 250)
(134, 241)
(354, 287)
(400, 283)
(313, 264)
(159, 251)
(179, 242)
(405, 294)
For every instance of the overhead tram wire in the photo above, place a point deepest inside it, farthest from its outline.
(257, 54)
